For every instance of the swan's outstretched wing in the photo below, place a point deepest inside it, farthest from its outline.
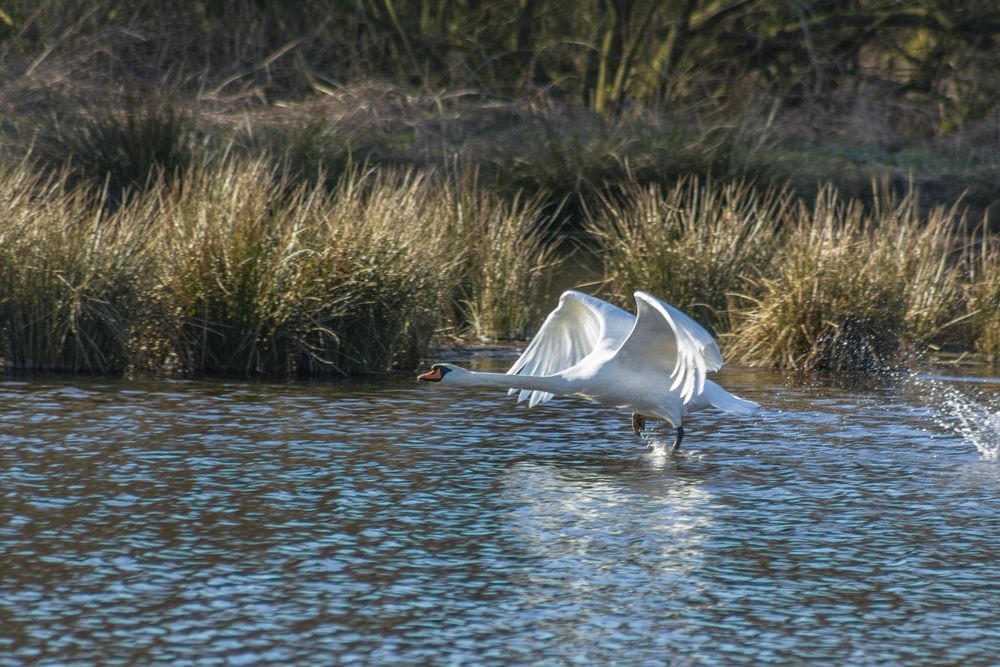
(572, 331)
(665, 339)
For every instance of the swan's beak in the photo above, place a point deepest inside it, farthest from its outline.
(433, 375)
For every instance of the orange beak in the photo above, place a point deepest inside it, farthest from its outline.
(433, 375)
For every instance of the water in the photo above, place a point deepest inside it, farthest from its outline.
(391, 523)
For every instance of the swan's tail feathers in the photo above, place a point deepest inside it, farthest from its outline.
(725, 401)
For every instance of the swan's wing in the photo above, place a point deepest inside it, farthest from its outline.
(666, 340)
(578, 324)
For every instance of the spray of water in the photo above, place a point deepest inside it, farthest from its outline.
(959, 405)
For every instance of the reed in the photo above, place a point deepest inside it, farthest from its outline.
(694, 243)
(263, 277)
(120, 149)
(234, 266)
(386, 242)
(72, 276)
(851, 285)
(509, 256)
(984, 296)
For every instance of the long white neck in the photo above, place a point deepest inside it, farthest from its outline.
(552, 384)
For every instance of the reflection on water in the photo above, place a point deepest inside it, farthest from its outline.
(395, 523)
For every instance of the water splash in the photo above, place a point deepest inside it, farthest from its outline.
(660, 449)
(958, 405)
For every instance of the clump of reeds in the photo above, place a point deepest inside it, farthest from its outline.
(226, 268)
(694, 243)
(262, 276)
(508, 256)
(387, 246)
(984, 296)
(120, 146)
(235, 267)
(72, 276)
(850, 285)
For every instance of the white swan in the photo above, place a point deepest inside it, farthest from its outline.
(652, 363)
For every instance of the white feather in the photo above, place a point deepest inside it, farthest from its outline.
(653, 363)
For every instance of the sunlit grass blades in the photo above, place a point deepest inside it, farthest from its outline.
(265, 277)
(850, 286)
(72, 278)
(695, 242)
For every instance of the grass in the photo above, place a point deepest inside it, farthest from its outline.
(72, 276)
(851, 285)
(984, 296)
(120, 150)
(264, 277)
(694, 243)
(508, 258)
(226, 227)
(235, 267)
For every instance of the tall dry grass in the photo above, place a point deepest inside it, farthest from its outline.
(234, 266)
(508, 257)
(694, 243)
(984, 295)
(73, 278)
(851, 285)
(263, 276)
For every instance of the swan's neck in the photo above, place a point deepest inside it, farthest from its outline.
(553, 384)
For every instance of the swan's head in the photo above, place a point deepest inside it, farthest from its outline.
(439, 372)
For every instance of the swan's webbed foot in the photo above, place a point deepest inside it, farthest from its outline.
(638, 423)
(678, 438)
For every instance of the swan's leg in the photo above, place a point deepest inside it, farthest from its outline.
(678, 438)
(638, 423)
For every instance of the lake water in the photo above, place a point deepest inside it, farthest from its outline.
(389, 522)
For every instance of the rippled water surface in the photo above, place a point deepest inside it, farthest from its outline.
(394, 523)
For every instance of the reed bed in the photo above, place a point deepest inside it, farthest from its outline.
(509, 257)
(235, 267)
(264, 277)
(694, 243)
(984, 295)
(833, 284)
(851, 285)
(72, 276)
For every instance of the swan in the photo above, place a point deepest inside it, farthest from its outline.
(652, 363)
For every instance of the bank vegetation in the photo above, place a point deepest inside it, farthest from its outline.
(310, 188)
